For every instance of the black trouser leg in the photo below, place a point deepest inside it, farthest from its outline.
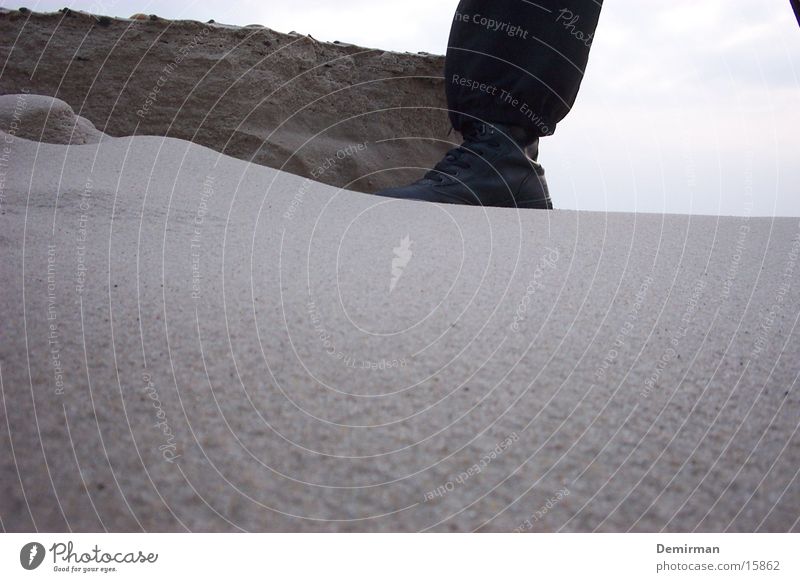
(518, 62)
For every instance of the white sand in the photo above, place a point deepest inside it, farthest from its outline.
(581, 371)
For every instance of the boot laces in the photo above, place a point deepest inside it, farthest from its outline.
(459, 157)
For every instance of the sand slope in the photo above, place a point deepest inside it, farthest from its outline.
(193, 342)
(286, 101)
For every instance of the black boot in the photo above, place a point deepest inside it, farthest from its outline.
(495, 166)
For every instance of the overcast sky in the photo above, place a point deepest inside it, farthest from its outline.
(688, 106)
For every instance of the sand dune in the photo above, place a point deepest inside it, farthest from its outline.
(191, 341)
(45, 119)
(286, 101)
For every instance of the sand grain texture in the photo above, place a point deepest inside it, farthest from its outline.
(193, 342)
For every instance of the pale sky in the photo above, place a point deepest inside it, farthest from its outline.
(688, 106)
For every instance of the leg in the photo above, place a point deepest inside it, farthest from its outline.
(530, 57)
(512, 72)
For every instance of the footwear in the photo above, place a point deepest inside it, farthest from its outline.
(495, 166)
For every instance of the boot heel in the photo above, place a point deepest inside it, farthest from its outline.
(539, 198)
